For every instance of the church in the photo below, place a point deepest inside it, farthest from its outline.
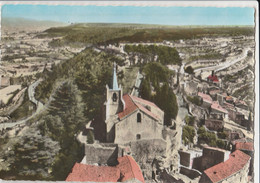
(129, 118)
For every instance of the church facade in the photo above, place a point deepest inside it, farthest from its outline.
(128, 118)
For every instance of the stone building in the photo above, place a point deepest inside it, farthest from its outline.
(128, 118)
(235, 169)
(248, 148)
(214, 124)
(210, 157)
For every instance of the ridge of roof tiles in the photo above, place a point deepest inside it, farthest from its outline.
(237, 160)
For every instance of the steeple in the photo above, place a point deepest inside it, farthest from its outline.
(114, 84)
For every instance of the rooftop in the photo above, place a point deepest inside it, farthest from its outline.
(126, 170)
(134, 103)
(237, 160)
(205, 97)
(213, 78)
(216, 106)
(245, 146)
(81, 173)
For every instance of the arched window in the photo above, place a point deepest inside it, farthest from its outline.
(139, 118)
(114, 98)
(138, 137)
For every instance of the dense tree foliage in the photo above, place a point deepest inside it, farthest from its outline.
(166, 55)
(155, 88)
(189, 70)
(188, 133)
(76, 89)
(210, 138)
(189, 120)
(82, 34)
(195, 100)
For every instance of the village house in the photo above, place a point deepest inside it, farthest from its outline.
(128, 118)
(248, 148)
(213, 79)
(127, 170)
(235, 169)
(210, 157)
(216, 108)
(206, 100)
(214, 124)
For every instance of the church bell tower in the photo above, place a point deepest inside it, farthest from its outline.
(114, 102)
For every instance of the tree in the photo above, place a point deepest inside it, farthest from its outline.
(145, 90)
(189, 70)
(188, 133)
(90, 137)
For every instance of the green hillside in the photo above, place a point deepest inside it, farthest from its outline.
(116, 33)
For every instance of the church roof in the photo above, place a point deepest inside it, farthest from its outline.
(114, 84)
(134, 103)
(237, 160)
(126, 170)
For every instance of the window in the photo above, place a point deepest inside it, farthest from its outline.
(138, 137)
(114, 97)
(139, 118)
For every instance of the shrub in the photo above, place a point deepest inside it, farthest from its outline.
(188, 133)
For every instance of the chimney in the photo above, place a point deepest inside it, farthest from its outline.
(212, 73)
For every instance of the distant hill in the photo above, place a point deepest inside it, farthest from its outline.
(110, 33)
(22, 24)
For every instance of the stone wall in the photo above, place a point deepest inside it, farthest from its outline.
(214, 124)
(197, 111)
(101, 154)
(130, 130)
(191, 173)
(145, 152)
(185, 158)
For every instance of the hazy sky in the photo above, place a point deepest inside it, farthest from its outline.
(133, 14)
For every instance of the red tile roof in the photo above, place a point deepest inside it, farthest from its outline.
(213, 78)
(133, 103)
(216, 106)
(129, 169)
(245, 146)
(205, 97)
(130, 107)
(237, 160)
(83, 173)
(145, 102)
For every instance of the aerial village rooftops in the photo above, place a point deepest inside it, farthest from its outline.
(134, 103)
(126, 170)
(249, 146)
(237, 160)
(205, 97)
(215, 105)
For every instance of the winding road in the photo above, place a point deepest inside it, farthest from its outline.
(224, 65)
(39, 105)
